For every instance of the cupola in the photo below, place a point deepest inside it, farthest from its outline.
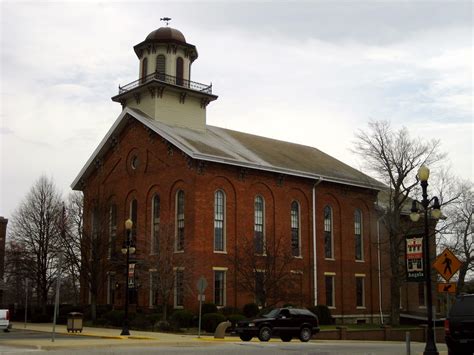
(164, 89)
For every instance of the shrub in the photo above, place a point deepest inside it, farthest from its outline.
(163, 326)
(182, 318)
(140, 321)
(41, 318)
(208, 308)
(234, 318)
(230, 310)
(114, 318)
(323, 313)
(210, 321)
(154, 318)
(250, 310)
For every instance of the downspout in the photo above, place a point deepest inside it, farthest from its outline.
(315, 267)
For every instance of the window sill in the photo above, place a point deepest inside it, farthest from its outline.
(422, 307)
(360, 307)
(179, 251)
(178, 307)
(298, 256)
(360, 261)
(331, 307)
(330, 259)
(220, 251)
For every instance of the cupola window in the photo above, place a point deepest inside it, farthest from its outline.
(144, 69)
(179, 71)
(161, 66)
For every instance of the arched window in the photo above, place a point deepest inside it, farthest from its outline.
(112, 229)
(155, 224)
(219, 215)
(161, 66)
(144, 69)
(328, 241)
(295, 229)
(259, 222)
(359, 245)
(180, 220)
(179, 71)
(133, 217)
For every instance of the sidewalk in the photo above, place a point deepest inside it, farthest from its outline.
(101, 337)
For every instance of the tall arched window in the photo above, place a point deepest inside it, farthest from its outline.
(179, 71)
(144, 69)
(359, 245)
(155, 224)
(295, 229)
(161, 66)
(219, 215)
(112, 229)
(259, 223)
(133, 217)
(180, 220)
(328, 241)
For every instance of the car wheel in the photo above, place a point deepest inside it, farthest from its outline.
(305, 334)
(286, 337)
(245, 337)
(265, 333)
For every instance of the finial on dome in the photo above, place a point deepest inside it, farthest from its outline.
(166, 20)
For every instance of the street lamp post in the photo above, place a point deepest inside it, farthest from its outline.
(127, 249)
(423, 175)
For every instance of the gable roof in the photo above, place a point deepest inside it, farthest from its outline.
(225, 146)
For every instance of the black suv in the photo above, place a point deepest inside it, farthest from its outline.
(285, 322)
(459, 326)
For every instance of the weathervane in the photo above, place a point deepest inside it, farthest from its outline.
(166, 19)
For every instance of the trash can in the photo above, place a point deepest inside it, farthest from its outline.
(74, 322)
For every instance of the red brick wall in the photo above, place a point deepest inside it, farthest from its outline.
(164, 169)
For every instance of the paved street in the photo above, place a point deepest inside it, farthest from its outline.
(37, 338)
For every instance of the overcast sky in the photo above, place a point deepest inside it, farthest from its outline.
(306, 72)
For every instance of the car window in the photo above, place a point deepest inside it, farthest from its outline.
(295, 312)
(464, 306)
(285, 313)
(272, 314)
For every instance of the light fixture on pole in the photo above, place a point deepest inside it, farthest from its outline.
(127, 249)
(423, 175)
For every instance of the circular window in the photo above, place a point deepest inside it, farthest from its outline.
(134, 162)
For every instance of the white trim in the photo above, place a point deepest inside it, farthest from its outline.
(362, 277)
(224, 222)
(263, 222)
(329, 273)
(219, 268)
(224, 293)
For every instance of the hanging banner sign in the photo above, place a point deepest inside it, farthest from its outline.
(414, 257)
(131, 275)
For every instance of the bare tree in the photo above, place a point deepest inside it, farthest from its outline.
(267, 275)
(16, 272)
(71, 242)
(458, 228)
(165, 263)
(394, 157)
(35, 227)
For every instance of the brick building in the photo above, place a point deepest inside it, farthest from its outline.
(217, 191)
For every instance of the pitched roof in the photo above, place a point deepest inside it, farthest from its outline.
(241, 149)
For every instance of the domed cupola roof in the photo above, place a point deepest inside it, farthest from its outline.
(169, 36)
(166, 34)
